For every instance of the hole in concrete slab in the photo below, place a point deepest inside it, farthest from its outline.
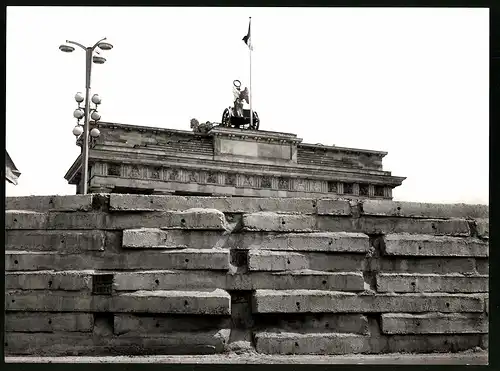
(62, 241)
(150, 201)
(15, 220)
(296, 344)
(50, 321)
(13, 300)
(157, 324)
(183, 221)
(327, 325)
(447, 305)
(16, 262)
(157, 282)
(314, 204)
(433, 226)
(288, 261)
(446, 342)
(330, 242)
(399, 208)
(187, 260)
(6, 344)
(324, 282)
(420, 247)
(283, 222)
(413, 283)
(185, 302)
(50, 283)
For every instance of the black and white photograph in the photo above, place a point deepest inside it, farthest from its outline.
(247, 185)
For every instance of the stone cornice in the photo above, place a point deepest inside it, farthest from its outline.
(252, 135)
(355, 151)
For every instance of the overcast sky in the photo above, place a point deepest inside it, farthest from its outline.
(409, 81)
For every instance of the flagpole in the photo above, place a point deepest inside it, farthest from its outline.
(250, 92)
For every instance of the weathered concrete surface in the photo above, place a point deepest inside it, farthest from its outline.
(70, 343)
(65, 242)
(432, 343)
(378, 225)
(318, 301)
(422, 265)
(151, 238)
(483, 228)
(309, 343)
(425, 245)
(48, 322)
(134, 324)
(423, 210)
(223, 204)
(401, 282)
(170, 259)
(188, 219)
(333, 207)
(326, 242)
(50, 203)
(50, 280)
(434, 323)
(463, 358)
(269, 221)
(213, 302)
(263, 260)
(315, 323)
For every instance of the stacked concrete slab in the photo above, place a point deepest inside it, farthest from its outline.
(135, 274)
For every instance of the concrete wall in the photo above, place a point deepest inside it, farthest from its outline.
(133, 274)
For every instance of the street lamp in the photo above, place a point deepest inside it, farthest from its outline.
(78, 113)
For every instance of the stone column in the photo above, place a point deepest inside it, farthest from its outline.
(355, 189)
(371, 190)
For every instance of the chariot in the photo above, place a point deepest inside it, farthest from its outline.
(236, 116)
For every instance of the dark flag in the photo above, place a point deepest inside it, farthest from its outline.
(247, 39)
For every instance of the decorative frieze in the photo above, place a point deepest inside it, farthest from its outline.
(348, 188)
(284, 183)
(114, 169)
(230, 179)
(379, 191)
(363, 189)
(332, 187)
(266, 182)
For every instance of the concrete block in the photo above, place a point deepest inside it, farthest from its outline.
(170, 259)
(49, 280)
(269, 221)
(423, 210)
(263, 260)
(482, 266)
(187, 219)
(71, 343)
(48, 322)
(168, 280)
(16, 219)
(318, 301)
(309, 343)
(134, 324)
(402, 282)
(50, 203)
(148, 238)
(223, 204)
(434, 323)
(333, 207)
(308, 279)
(342, 323)
(212, 302)
(426, 245)
(485, 341)
(423, 264)
(55, 240)
(451, 227)
(336, 262)
(328, 242)
(483, 228)
(435, 343)
(51, 301)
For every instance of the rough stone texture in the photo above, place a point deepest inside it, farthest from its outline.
(422, 265)
(425, 245)
(268, 221)
(483, 266)
(49, 280)
(173, 259)
(423, 210)
(432, 343)
(50, 203)
(309, 343)
(65, 242)
(434, 323)
(333, 207)
(223, 204)
(48, 322)
(150, 238)
(69, 343)
(401, 282)
(318, 301)
(262, 260)
(328, 242)
(316, 323)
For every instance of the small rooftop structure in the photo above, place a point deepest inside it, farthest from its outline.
(12, 174)
(229, 161)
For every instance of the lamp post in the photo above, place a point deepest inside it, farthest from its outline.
(89, 58)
